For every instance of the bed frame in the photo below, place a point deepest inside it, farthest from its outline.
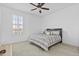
(56, 29)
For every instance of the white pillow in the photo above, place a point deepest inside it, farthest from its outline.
(47, 32)
(55, 32)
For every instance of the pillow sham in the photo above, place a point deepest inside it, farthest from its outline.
(47, 32)
(55, 32)
(51, 32)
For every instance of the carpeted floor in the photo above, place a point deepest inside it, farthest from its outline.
(27, 49)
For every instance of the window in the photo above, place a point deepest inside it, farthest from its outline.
(17, 23)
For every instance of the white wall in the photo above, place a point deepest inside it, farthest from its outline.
(0, 25)
(68, 20)
(31, 24)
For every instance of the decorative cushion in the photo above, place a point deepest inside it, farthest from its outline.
(51, 32)
(46, 32)
(55, 32)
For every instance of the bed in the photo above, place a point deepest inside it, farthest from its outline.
(47, 38)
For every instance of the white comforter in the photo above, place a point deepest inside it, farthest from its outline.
(43, 40)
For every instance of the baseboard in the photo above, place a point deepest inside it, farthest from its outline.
(74, 45)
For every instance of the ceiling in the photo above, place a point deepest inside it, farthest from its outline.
(26, 7)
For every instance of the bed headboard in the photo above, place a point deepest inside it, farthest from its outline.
(56, 29)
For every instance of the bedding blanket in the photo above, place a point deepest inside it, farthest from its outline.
(43, 40)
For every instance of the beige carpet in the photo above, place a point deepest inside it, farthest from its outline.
(26, 49)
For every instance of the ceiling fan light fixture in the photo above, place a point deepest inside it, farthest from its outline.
(39, 6)
(40, 11)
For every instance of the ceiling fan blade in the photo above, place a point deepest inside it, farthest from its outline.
(33, 9)
(40, 11)
(33, 4)
(44, 8)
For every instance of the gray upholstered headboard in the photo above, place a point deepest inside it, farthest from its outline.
(56, 29)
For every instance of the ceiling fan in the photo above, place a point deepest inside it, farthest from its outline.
(40, 6)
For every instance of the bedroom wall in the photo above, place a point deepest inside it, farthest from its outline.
(0, 24)
(31, 25)
(68, 20)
